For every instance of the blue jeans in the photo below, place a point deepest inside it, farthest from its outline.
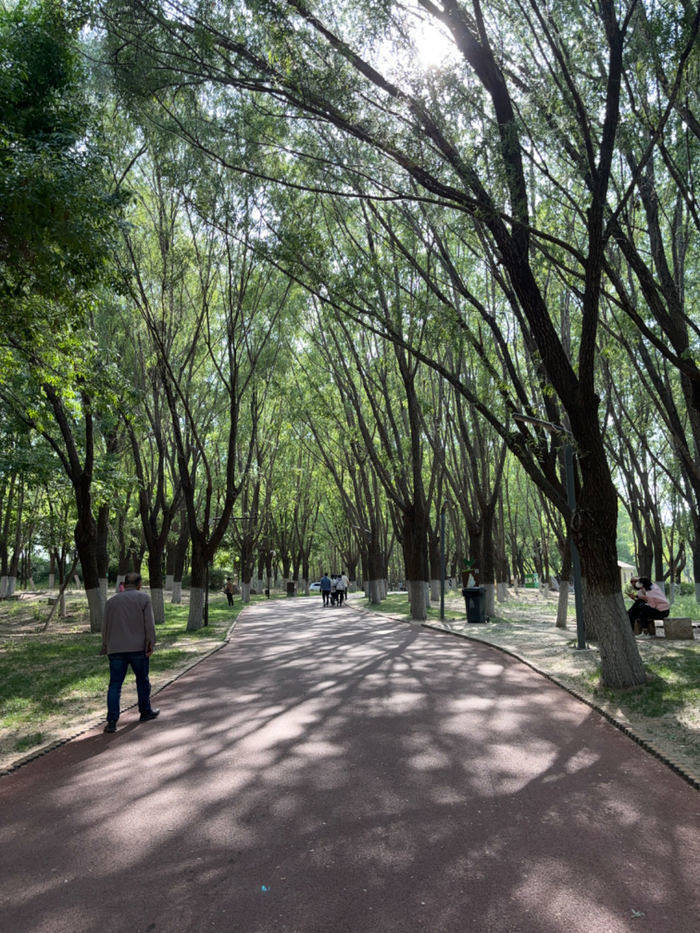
(118, 666)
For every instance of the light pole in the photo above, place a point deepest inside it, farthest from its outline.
(571, 500)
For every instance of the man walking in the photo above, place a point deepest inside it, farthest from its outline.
(325, 588)
(128, 638)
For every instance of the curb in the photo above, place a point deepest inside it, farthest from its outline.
(45, 749)
(627, 730)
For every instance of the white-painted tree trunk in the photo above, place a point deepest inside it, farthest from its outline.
(303, 586)
(11, 584)
(104, 584)
(120, 579)
(176, 598)
(502, 592)
(489, 599)
(96, 605)
(3, 586)
(544, 589)
(195, 618)
(158, 602)
(697, 592)
(169, 582)
(416, 598)
(245, 592)
(373, 591)
(435, 591)
(52, 580)
(76, 579)
(563, 604)
(62, 605)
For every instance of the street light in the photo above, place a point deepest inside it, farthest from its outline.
(571, 499)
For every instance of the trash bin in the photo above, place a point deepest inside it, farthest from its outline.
(475, 598)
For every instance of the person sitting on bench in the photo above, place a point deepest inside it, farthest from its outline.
(649, 604)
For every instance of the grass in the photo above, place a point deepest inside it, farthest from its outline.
(396, 604)
(685, 607)
(49, 681)
(674, 685)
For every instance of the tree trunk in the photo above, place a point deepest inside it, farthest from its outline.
(563, 603)
(195, 619)
(595, 531)
(179, 561)
(102, 552)
(169, 566)
(155, 580)
(86, 545)
(488, 561)
(414, 539)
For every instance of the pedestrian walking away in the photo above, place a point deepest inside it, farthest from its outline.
(128, 640)
(334, 589)
(325, 588)
(341, 588)
(228, 589)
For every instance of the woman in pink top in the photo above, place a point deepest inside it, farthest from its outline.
(650, 603)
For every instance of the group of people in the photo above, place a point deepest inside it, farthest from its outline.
(649, 604)
(334, 589)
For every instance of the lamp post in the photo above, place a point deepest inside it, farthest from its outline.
(571, 500)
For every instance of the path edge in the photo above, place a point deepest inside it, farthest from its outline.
(57, 743)
(647, 745)
(627, 730)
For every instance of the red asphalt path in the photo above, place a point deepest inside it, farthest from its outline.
(334, 771)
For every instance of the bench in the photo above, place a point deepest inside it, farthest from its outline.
(677, 628)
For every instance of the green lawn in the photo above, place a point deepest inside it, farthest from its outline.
(674, 684)
(396, 604)
(53, 679)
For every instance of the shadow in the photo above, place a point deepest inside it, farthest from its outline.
(330, 771)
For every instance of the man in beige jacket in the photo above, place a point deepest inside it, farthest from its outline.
(128, 638)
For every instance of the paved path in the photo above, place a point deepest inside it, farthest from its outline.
(332, 771)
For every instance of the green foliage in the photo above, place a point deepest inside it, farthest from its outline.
(56, 209)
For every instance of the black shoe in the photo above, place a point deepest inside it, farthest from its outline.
(111, 726)
(151, 714)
